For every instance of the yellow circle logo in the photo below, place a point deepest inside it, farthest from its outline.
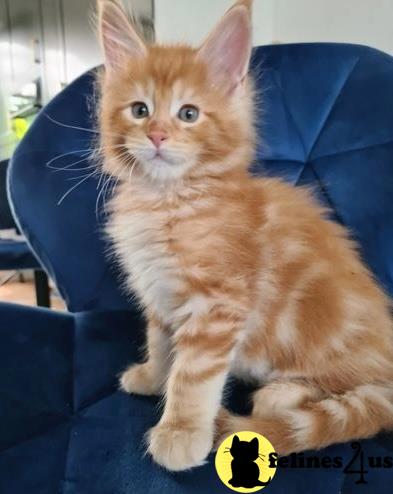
(242, 462)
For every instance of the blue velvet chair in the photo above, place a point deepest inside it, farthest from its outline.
(327, 121)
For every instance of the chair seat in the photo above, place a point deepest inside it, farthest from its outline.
(67, 428)
(15, 255)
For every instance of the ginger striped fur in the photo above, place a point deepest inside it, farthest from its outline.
(236, 274)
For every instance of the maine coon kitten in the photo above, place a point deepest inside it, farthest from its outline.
(236, 274)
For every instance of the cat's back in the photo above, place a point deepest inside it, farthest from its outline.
(302, 246)
(296, 225)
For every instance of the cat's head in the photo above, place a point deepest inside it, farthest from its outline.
(176, 111)
(245, 450)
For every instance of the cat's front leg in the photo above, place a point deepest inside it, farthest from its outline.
(203, 348)
(149, 378)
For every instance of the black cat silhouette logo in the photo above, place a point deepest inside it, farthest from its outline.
(245, 472)
(242, 462)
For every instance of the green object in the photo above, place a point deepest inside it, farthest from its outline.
(20, 127)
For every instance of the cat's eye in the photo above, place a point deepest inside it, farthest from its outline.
(139, 110)
(188, 113)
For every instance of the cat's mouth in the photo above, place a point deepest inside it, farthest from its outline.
(159, 154)
(159, 157)
(151, 158)
(162, 163)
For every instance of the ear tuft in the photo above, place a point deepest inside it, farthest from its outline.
(227, 50)
(118, 37)
(246, 3)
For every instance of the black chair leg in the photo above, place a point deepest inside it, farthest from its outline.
(42, 288)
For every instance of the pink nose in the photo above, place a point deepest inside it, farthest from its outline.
(157, 137)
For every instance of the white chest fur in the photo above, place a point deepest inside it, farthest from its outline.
(153, 274)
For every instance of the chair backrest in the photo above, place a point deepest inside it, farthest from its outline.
(327, 121)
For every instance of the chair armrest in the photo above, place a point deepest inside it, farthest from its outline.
(54, 363)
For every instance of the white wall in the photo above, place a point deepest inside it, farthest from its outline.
(367, 22)
(191, 20)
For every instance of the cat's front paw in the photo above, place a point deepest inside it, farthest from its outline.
(140, 379)
(177, 448)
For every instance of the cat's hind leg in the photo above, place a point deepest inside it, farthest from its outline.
(284, 394)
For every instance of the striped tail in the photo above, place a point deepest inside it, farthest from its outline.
(357, 414)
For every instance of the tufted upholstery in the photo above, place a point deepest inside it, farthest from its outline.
(327, 121)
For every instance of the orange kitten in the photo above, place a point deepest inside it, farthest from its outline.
(236, 274)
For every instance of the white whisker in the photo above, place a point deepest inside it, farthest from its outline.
(69, 168)
(84, 151)
(130, 172)
(106, 185)
(90, 154)
(100, 180)
(75, 127)
(82, 176)
(74, 187)
(75, 169)
(100, 194)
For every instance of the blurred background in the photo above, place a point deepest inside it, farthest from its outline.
(46, 44)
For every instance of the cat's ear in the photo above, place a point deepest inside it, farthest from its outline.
(235, 440)
(227, 50)
(255, 444)
(119, 39)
